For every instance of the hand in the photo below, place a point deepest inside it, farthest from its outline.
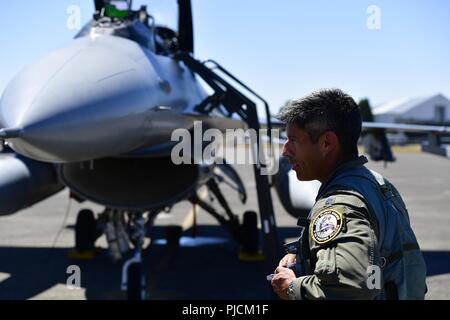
(281, 280)
(287, 260)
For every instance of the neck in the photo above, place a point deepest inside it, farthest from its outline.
(334, 164)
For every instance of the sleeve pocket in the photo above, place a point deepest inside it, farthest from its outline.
(326, 269)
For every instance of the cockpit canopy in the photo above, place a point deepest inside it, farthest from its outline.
(164, 12)
(117, 18)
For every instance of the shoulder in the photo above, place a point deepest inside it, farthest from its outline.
(340, 198)
(334, 214)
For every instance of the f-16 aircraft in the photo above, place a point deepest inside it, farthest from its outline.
(97, 117)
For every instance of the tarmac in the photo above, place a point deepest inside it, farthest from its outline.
(34, 244)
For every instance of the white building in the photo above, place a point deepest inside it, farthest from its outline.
(435, 108)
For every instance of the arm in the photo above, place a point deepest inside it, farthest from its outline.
(341, 262)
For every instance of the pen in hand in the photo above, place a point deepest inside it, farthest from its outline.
(290, 265)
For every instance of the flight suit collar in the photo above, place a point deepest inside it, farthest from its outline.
(351, 164)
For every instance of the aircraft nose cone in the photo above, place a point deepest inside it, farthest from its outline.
(23, 90)
(80, 102)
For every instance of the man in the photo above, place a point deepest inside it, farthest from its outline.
(361, 245)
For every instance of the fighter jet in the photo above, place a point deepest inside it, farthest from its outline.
(97, 117)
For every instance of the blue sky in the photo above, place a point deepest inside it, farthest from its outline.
(282, 49)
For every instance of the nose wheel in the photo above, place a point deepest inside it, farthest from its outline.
(86, 233)
(249, 238)
(85, 230)
(249, 233)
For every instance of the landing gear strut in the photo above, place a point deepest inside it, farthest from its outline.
(133, 280)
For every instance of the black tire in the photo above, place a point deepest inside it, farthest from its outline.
(173, 235)
(136, 284)
(85, 230)
(249, 232)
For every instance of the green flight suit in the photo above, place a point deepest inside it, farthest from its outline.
(343, 246)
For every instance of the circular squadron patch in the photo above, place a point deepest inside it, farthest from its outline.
(326, 226)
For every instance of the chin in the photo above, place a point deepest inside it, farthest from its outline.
(303, 177)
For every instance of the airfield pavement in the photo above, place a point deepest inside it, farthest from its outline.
(34, 244)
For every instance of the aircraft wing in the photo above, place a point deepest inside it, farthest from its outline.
(377, 145)
(391, 127)
(400, 127)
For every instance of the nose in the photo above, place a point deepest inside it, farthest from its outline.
(285, 152)
(80, 102)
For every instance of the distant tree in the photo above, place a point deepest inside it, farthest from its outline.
(283, 105)
(366, 110)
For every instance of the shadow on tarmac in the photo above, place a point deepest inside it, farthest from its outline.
(205, 267)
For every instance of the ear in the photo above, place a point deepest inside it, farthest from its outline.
(329, 142)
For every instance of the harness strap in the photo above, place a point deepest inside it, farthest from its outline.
(398, 255)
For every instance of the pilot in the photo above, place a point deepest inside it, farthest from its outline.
(360, 244)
